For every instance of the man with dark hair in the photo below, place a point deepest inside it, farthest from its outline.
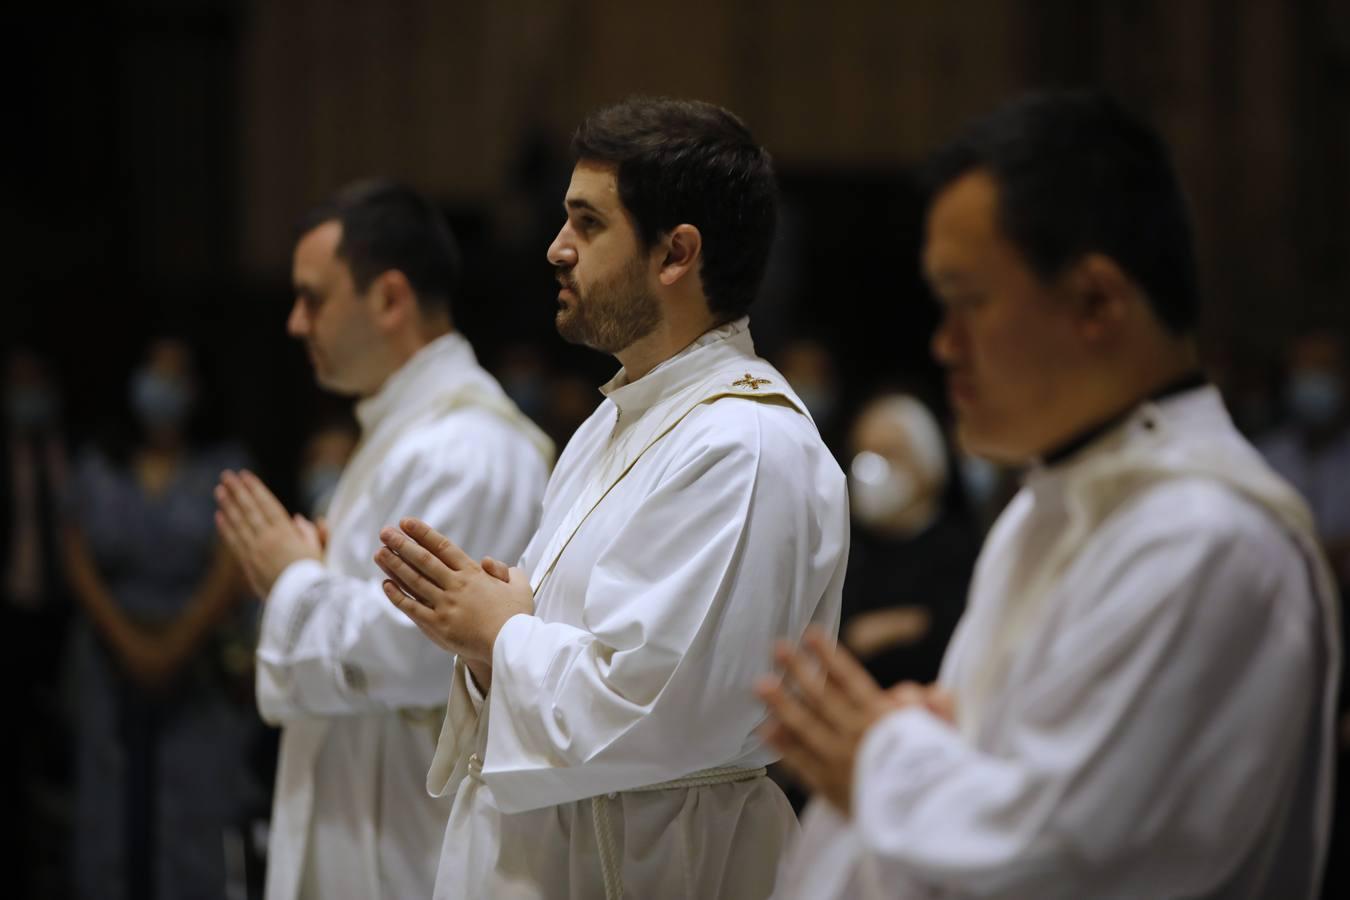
(600, 739)
(1139, 701)
(355, 687)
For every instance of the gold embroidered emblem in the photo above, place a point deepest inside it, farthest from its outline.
(749, 381)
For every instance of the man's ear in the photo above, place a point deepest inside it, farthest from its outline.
(683, 249)
(392, 298)
(1102, 295)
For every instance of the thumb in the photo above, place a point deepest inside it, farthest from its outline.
(322, 527)
(496, 569)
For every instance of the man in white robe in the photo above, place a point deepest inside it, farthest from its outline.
(356, 688)
(1139, 700)
(600, 737)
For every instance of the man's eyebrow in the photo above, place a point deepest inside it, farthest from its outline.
(577, 203)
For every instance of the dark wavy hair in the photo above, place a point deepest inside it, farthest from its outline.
(689, 162)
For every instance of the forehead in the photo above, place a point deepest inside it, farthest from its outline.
(595, 184)
(963, 221)
(318, 245)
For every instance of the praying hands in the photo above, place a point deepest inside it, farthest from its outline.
(458, 603)
(263, 537)
(821, 706)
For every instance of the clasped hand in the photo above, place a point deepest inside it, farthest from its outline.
(821, 706)
(458, 603)
(263, 537)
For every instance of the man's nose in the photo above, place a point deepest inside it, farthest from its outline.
(561, 253)
(297, 323)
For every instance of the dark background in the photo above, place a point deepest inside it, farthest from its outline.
(162, 150)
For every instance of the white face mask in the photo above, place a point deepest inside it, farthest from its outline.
(878, 491)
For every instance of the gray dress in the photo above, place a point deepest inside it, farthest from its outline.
(159, 777)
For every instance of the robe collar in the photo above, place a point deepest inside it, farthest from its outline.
(1070, 448)
(1189, 406)
(423, 377)
(682, 370)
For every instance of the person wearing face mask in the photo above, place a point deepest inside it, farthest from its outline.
(1313, 451)
(914, 543)
(34, 614)
(160, 744)
(325, 454)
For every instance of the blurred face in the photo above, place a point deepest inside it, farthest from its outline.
(606, 301)
(163, 390)
(334, 320)
(1007, 339)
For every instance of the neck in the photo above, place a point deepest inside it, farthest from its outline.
(403, 348)
(1115, 395)
(671, 336)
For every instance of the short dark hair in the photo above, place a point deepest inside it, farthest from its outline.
(387, 225)
(689, 162)
(1078, 174)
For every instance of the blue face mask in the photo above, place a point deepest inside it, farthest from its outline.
(160, 401)
(1314, 398)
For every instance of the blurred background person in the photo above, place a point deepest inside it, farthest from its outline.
(322, 459)
(159, 772)
(36, 612)
(1312, 450)
(914, 542)
(810, 368)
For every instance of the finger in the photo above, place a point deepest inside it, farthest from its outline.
(805, 725)
(412, 581)
(243, 501)
(420, 614)
(307, 529)
(842, 668)
(416, 556)
(498, 570)
(233, 517)
(439, 545)
(266, 501)
(806, 681)
(323, 531)
(229, 535)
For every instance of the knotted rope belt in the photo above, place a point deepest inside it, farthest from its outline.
(604, 829)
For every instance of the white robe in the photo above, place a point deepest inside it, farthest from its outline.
(639, 664)
(1145, 684)
(355, 685)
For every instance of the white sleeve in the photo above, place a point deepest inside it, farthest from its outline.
(333, 644)
(741, 543)
(1149, 750)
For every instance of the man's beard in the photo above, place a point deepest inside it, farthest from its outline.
(612, 315)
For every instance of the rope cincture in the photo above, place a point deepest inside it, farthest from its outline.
(610, 869)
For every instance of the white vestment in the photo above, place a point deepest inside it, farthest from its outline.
(693, 519)
(1145, 685)
(356, 686)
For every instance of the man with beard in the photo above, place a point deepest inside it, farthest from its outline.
(600, 733)
(355, 688)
